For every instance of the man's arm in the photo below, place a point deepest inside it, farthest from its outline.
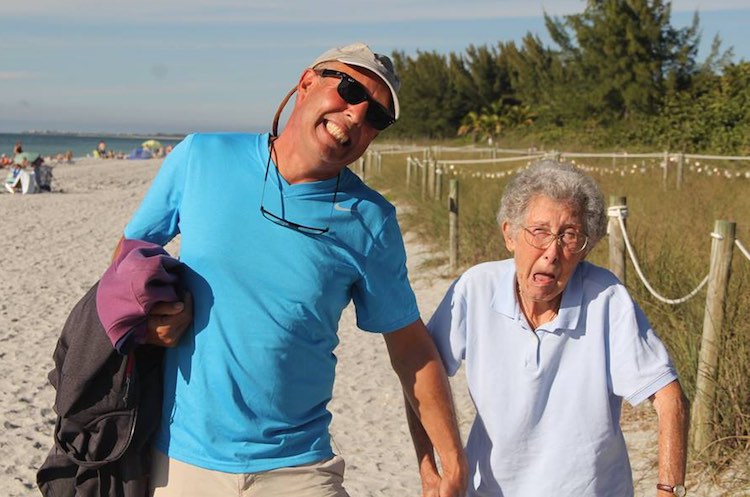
(672, 410)
(416, 362)
(428, 470)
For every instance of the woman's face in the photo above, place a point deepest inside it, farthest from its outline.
(543, 274)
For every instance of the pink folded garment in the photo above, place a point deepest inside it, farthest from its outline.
(142, 275)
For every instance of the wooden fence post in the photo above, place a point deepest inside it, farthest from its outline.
(680, 165)
(423, 177)
(453, 223)
(665, 171)
(439, 183)
(708, 359)
(617, 238)
(408, 171)
(431, 179)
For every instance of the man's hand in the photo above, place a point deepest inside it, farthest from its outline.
(167, 321)
(431, 486)
(443, 487)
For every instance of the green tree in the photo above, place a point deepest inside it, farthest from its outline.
(481, 76)
(472, 126)
(494, 120)
(540, 78)
(625, 52)
(430, 106)
(730, 105)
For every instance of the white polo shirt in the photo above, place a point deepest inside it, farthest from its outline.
(548, 401)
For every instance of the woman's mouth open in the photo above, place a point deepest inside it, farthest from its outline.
(544, 278)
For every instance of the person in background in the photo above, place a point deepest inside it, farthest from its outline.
(273, 258)
(101, 150)
(552, 345)
(17, 148)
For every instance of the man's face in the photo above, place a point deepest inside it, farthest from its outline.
(336, 131)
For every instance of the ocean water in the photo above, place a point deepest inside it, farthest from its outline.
(47, 144)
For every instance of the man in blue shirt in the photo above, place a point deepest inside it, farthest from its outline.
(278, 237)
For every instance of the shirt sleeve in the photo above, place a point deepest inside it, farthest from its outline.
(639, 363)
(383, 297)
(157, 218)
(447, 328)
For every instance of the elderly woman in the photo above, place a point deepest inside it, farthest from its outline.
(552, 345)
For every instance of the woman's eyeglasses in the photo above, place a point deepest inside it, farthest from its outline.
(571, 241)
(283, 221)
(352, 92)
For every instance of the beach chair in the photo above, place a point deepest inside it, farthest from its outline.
(19, 179)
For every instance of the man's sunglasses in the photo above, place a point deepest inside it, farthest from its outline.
(353, 93)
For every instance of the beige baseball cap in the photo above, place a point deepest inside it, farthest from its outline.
(359, 55)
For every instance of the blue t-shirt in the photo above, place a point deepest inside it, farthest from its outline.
(246, 389)
(548, 400)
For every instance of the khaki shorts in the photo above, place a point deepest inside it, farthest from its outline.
(172, 478)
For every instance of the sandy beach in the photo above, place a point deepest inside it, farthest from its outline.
(54, 246)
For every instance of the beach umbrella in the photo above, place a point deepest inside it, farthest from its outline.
(25, 156)
(152, 144)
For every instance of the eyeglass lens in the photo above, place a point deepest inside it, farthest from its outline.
(353, 93)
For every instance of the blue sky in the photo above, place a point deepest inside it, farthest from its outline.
(198, 65)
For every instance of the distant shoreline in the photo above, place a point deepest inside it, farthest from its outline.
(91, 134)
(52, 144)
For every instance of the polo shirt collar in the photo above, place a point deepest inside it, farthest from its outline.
(504, 300)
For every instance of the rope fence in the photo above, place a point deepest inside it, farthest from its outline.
(743, 250)
(619, 212)
(499, 160)
(669, 163)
